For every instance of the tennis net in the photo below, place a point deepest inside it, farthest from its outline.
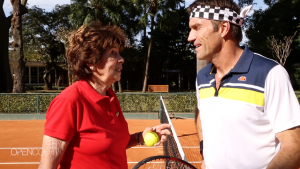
(172, 146)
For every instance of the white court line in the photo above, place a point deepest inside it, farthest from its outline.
(17, 148)
(21, 163)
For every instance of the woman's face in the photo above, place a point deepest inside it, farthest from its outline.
(108, 71)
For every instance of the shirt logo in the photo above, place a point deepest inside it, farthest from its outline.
(242, 78)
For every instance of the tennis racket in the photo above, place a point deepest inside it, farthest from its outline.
(163, 162)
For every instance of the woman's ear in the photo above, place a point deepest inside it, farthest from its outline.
(91, 66)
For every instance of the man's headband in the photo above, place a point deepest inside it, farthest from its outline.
(220, 14)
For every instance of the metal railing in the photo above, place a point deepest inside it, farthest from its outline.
(35, 103)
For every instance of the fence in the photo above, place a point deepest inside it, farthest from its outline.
(130, 102)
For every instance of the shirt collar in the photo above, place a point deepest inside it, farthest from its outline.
(242, 66)
(93, 94)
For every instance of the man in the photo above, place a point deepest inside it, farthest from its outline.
(249, 116)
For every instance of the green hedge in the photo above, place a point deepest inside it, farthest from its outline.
(130, 102)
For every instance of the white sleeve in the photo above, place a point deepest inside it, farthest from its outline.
(281, 104)
(197, 95)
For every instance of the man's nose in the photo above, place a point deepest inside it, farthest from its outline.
(192, 36)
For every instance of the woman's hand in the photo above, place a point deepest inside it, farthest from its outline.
(161, 130)
(203, 166)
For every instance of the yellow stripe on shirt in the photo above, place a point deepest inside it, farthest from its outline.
(244, 95)
(207, 92)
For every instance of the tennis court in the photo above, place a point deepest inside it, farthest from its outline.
(21, 141)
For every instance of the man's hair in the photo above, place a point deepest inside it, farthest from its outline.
(88, 44)
(236, 30)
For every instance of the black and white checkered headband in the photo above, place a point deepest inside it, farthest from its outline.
(220, 14)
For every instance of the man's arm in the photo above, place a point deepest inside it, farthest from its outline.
(199, 133)
(52, 152)
(288, 157)
(198, 124)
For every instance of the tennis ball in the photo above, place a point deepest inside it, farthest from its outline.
(151, 138)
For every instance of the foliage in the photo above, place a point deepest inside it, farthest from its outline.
(130, 103)
(278, 20)
(25, 103)
(42, 36)
(180, 102)
(297, 75)
(136, 103)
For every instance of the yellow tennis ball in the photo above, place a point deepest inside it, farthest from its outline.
(151, 138)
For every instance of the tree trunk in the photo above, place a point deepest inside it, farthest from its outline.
(120, 87)
(56, 71)
(18, 56)
(69, 75)
(148, 56)
(47, 80)
(113, 87)
(6, 84)
(201, 64)
(60, 74)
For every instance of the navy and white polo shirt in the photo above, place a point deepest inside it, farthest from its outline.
(239, 121)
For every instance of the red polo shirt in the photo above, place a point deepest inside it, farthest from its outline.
(94, 125)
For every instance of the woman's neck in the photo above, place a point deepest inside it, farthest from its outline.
(100, 87)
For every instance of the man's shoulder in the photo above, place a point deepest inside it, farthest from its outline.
(260, 60)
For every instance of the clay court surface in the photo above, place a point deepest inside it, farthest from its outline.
(21, 142)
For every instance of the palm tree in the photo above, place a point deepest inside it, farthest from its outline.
(116, 12)
(85, 11)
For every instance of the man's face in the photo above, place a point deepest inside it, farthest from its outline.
(207, 42)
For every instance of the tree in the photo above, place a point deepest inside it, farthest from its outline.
(63, 34)
(157, 8)
(5, 23)
(40, 33)
(279, 20)
(282, 49)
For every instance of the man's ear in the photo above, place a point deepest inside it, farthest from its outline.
(224, 28)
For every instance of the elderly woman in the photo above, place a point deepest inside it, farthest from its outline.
(85, 126)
